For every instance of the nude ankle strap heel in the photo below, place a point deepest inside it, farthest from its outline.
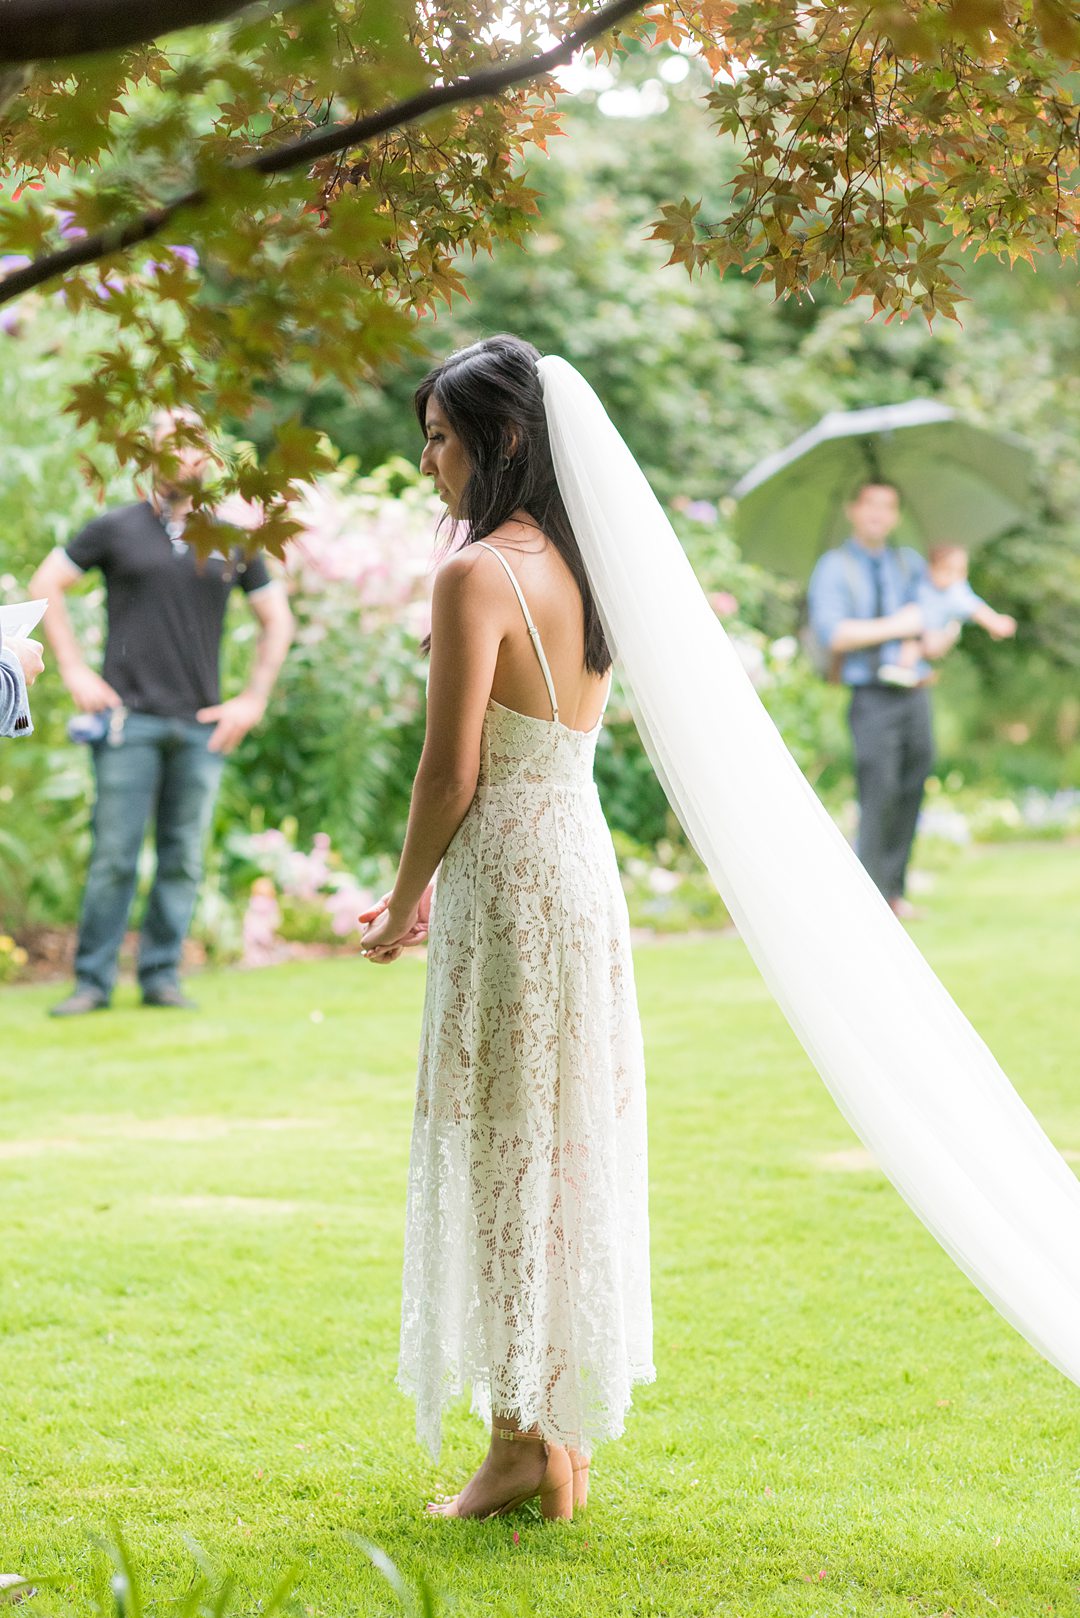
(557, 1486)
(556, 1490)
(580, 1465)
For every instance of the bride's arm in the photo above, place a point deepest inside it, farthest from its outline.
(467, 628)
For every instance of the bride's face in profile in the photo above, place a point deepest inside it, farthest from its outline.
(444, 459)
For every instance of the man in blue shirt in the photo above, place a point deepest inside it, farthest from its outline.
(862, 604)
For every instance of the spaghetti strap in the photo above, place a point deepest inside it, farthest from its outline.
(534, 633)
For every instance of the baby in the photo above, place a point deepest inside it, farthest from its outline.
(945, 597)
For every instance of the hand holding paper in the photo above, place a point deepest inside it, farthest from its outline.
(18, 619)
(31, 656)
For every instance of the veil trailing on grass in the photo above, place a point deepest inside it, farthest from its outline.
(905, 1066)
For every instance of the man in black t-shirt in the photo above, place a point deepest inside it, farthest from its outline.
(165, 728)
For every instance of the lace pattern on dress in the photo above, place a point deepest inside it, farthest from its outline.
(526, 1257)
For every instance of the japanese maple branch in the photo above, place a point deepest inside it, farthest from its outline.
(306, 149)
(40, 30)
(754, 207)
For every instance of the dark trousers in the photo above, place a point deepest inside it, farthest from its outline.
(894, 753)
(159, 771)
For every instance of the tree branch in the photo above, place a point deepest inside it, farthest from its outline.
(38, 30)
(303, 151)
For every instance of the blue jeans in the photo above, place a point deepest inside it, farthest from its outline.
(161, 770)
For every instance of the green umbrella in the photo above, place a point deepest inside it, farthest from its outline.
(957, 482)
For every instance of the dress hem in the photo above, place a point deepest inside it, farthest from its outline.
(429, 1429)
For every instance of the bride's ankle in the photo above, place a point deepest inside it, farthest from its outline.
(513, 1449)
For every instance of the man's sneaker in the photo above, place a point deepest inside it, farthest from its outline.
(897, 674)
(81, 1001)
(169, 996)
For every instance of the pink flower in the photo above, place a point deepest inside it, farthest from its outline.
(303, 875)
(723, 603)
(261, 921)
(240, 513)
(417, 619)
(269, 839)
(344, 906)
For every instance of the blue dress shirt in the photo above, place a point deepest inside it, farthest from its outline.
(843, 586)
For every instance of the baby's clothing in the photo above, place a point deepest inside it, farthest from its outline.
(940, 607)
(956, 603)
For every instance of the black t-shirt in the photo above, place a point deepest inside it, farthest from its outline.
(166, 609)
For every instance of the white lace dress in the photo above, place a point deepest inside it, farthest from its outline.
(526, 1243)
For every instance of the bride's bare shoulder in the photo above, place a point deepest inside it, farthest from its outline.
(468, 575)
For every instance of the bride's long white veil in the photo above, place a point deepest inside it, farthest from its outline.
(905, 1066)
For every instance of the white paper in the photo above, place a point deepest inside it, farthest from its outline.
(17, 620)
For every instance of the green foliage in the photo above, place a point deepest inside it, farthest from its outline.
(809, 714)
(702, 377)
(870, 134)
(704, 380)
(45, 795)
(335, 259)
(667, 889)
(44, 499)
(208, 1593)
(633, 799)
(339, 745)
(853, 142)
(342, 737)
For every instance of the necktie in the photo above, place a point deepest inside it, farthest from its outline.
(877, 574)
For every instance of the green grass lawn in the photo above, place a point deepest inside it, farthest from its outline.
(201, 1238)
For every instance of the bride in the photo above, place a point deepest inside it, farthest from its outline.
(526, 1257)
(526, 1264)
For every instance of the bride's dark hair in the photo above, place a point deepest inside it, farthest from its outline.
(491, 395)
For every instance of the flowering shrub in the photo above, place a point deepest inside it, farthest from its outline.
(341, 740)
(295, 896)
(12, 959)
(1035, 815)
(667, 889)
(376, 537)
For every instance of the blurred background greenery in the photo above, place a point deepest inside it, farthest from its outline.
(704, 377)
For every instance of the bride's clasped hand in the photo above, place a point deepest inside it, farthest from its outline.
(388, 932)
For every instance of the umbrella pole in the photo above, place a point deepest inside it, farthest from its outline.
(841, 494)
